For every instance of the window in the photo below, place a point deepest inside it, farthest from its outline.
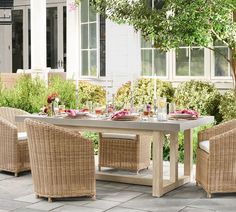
(221, 66)
(190, 61)
(153, 60)
(17, 39)
(89, 46)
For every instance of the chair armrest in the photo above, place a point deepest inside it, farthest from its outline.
(5, 123)
(216, 130)
(223, 144)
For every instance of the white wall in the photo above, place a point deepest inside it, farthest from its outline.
(123, 60)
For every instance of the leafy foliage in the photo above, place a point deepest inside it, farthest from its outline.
(67, 91)
(174, 23)
(28, 94)
(143, 92)
(31, 94)
(201, 96)
(228, 106)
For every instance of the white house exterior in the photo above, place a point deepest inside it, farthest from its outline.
(91, 48)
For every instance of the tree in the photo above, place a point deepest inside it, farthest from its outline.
(172, 23)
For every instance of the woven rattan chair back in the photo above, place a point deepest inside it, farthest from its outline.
(62, 162)
(9, 114)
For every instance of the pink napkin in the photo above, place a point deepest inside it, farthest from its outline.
(119, 114)
(186, 111)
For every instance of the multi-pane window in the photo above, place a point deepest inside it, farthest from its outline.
(190, 61)
(89, 46)
(221, 66)
(153, 60)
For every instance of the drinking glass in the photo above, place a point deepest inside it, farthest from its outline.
(61, 109)
(172, 107)
(162, 109)
(98, 110)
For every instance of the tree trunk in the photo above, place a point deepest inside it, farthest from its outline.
(233, 70)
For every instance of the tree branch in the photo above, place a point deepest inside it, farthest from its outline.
(214, 50)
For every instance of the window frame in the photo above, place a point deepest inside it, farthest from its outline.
(212, 58)
(189, 77)
(97, 49)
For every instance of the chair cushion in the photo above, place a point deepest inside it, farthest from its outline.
(22, 136)
(204, 145)
(118, 135)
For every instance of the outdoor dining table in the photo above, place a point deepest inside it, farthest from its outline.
(152, 127)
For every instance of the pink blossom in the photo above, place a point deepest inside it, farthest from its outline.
(72, 6)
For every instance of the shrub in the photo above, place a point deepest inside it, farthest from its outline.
(228, 106)
(201, 96)
(143, 92)
(93, 137)
(67, 92)
(28, 94)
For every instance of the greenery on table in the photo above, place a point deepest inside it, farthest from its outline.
(174, 23)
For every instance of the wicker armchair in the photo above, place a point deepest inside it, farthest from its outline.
(216, 158)
(62, 162)
(121, 151)
(14, 153)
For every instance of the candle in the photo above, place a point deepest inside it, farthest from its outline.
(106, 87)
(77, 90)
(155, 88)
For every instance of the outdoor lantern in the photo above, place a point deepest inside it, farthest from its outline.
(5, 11)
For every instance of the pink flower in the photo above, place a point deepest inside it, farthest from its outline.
(72, 6)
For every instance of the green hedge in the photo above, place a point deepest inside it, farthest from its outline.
(31, 94)
(201, 96)
(143, 92)
(228, 105)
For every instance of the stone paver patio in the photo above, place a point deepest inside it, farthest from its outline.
(16, 194)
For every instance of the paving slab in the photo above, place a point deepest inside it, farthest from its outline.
(121, 209)
(11, 204)
(45, 206)
(148, 203)
(102, 204)
(190, 209)
(29, 198)
(72, 208)
(122, 196)
(217, 204)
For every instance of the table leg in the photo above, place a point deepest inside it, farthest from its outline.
(174, 145)
(157, 158)
(188, 154)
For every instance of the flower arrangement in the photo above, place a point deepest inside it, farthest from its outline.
(54, 97)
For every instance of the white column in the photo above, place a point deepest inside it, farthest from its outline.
(73, 42)
(38, 34)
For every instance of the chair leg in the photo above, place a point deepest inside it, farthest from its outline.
(49, 199)
(37, 196)
(93, 197)
(209, 195)
(16, 174)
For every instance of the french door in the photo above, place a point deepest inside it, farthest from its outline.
(56, 37)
